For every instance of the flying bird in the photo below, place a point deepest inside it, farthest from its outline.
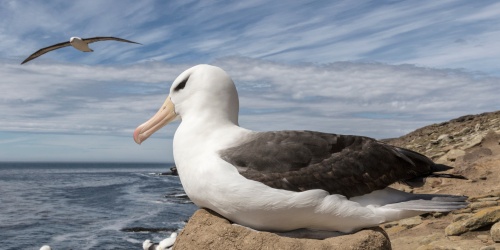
(286, 180)
(81, 44)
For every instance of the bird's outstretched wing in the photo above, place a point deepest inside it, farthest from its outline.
(106, 38)
(340, 164)
(45, 50)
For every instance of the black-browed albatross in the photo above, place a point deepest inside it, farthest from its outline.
(77, 43)
(285, 180)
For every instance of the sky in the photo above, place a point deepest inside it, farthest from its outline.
(373, 68)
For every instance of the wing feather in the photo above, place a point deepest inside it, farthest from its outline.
(45, 50)
(341, 164)
(106, 38)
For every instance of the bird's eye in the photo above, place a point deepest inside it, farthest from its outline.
(181, 85)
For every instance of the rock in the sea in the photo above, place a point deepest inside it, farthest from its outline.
(480, 219)
(495, 232)
(208, 230)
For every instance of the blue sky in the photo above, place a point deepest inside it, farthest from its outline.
(373, 68)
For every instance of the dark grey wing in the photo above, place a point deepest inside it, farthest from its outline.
(45, 50)
(106, 38)
(340, 164)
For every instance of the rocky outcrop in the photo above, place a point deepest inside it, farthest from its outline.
(470, 144)
(461, 133)
(208, 230)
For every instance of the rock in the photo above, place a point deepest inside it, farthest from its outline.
(452, 155)
(445, 138)
(208, 230)
(473, 142)
(491, 247)
(489, 199)
(495, 232)
(482, 204)
(430, 238)
(464, 131)
(480, 219)
(483, 237)
(452, 245)
(438, 154)
(459, 217)
(485, 196)
(410, 222)
(477, 127)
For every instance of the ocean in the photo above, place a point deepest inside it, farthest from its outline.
(89, 205)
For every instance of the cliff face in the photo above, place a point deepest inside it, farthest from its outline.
(470, 144)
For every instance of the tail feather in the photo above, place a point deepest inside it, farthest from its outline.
(394, 204)
(427, 205)
(430, 203)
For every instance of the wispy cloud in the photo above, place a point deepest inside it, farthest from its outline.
(110, 100)
(320, 32)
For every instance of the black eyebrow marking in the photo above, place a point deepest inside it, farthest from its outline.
(181, 85)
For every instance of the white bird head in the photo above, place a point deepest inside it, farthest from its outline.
(201, 94)
(73, 38)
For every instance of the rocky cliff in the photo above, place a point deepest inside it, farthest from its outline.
(470, 144)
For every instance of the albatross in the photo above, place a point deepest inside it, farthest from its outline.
(286, 180)
(81, 44)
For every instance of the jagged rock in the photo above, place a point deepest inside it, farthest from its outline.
(208, 230)
(480, 219)
(495, 232)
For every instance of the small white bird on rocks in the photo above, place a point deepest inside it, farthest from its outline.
(45, 247)
(81, 44)
(165, 244)
(148, 245)
(168, 242)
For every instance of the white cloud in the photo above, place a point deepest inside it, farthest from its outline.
(109, 100)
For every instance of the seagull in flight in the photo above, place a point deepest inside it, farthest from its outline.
(78, 43)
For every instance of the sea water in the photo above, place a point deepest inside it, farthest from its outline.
(88, 205)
